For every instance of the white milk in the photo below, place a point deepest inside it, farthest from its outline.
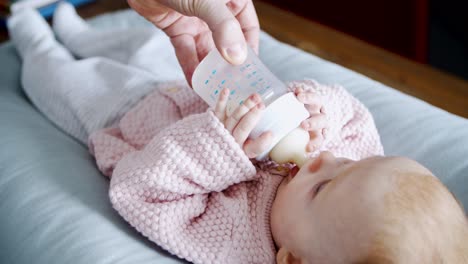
(291, 148)
(283, 112)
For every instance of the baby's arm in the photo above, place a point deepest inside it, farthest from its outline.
(170, 190)
(345, 125)
(164, 106)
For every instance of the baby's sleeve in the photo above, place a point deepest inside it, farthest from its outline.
(166, 105)
(357, 136)
(108, 147)
(195, 155)
(137, 127)
(172, 188)
(351, 131)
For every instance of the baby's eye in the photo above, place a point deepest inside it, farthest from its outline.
(320, 186)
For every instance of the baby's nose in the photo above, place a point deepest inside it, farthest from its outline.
(324, 159)
(327, 157)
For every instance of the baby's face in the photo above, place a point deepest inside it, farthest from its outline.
(327, 211)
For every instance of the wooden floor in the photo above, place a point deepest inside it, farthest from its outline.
(438, 88)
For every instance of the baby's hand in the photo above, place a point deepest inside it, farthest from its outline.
(242, 121)
(316, 123)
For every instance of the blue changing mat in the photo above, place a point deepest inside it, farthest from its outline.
(54, 206)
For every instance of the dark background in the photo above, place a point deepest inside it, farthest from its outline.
(433, 32)
(448, 36)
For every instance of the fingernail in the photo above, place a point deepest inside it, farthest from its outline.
(255, 98)
(236, 54)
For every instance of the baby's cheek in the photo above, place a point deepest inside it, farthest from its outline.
(281, 208)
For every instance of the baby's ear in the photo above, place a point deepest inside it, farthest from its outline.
(285, 257)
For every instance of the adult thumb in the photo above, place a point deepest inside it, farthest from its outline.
(227, 33)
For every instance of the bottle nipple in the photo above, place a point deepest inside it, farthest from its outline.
(291, 148)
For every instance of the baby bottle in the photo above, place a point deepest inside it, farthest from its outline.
(283, 112)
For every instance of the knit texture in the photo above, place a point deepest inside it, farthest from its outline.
(351, 132)
(181, 180)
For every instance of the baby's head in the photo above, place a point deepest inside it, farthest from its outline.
(377, 210)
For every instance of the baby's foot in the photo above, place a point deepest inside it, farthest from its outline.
(67, 24)
(78, 37)
(29, 31)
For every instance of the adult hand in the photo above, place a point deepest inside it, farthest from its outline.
(242, 121)
(195, 27)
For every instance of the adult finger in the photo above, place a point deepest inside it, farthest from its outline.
(205, 44)
(227, 33)
(245, 13)
(232, 120)
(253, 147)
(247, 124)
(186, 53)
(158, 14)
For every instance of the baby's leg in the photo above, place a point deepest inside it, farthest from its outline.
(142, 47)
(79, 96)
(42, 58)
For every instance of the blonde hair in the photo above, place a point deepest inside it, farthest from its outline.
(423, 223)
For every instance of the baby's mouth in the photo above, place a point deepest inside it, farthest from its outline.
(294, 171)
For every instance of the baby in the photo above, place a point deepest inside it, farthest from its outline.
(185, 176)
